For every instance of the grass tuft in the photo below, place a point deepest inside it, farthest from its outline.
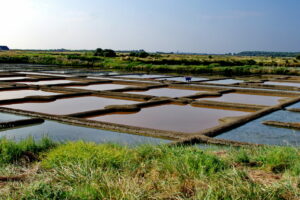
(11, 151)
(79, 170)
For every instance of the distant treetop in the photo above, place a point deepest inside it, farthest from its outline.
(141, 53)
(105, 53)
(267, 53)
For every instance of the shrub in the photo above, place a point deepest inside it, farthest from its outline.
(140, 54)
(276, 159)
(103, 156)
(105, 53)
(11, 151)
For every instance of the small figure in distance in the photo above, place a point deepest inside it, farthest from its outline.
(188, 79)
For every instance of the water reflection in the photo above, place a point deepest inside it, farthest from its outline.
(11, 78)
(172, 117)
(225, 81)
(246, 99)
(69, 105)
(63, 132)
(256, 132)
(54, 82)
(16, 94)
(168, 92)
(282, 83)
(99, 87)
(4, 117)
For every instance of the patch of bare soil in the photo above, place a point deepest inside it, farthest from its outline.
(263, 177)
(20, 177)
(221, 154)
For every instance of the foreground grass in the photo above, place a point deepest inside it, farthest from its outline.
(89, 171)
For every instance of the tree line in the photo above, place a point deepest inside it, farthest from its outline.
(268, 54)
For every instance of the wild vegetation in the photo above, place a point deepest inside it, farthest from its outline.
(140, 53)
(105, 53)
(142, 61)
(78, 170)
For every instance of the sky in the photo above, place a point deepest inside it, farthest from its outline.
(201, 26)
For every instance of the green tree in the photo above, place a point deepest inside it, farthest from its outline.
(109, 53)
(298, 57)
(99, 52)
(140, 53)
(105, 53)
(251, 62)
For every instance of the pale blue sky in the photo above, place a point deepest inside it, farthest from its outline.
(212, 26)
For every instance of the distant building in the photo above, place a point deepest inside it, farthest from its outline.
(4, 48)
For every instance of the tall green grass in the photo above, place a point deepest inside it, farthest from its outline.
(276, 159)
(11, 151)
(79, 170)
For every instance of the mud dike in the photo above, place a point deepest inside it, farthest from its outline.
(155, 106)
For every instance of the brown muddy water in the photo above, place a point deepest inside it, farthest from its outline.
(168, 92)
(172, 117)
(16, 94)
(69, 105)
(100, 87)
(246, 99)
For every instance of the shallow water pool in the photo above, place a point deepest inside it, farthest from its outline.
(168, 92)
(12, 78)
(69, 105)
(172, 117)
(282, 83)
(105, 86)
(5, 117)
(246, 99)
(258, 133)
(225, 81)
(16, 94)
(53, 82)
(64, 132)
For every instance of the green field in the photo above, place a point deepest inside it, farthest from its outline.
(169, 63)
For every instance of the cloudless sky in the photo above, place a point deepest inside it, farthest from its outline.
(208, 26)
